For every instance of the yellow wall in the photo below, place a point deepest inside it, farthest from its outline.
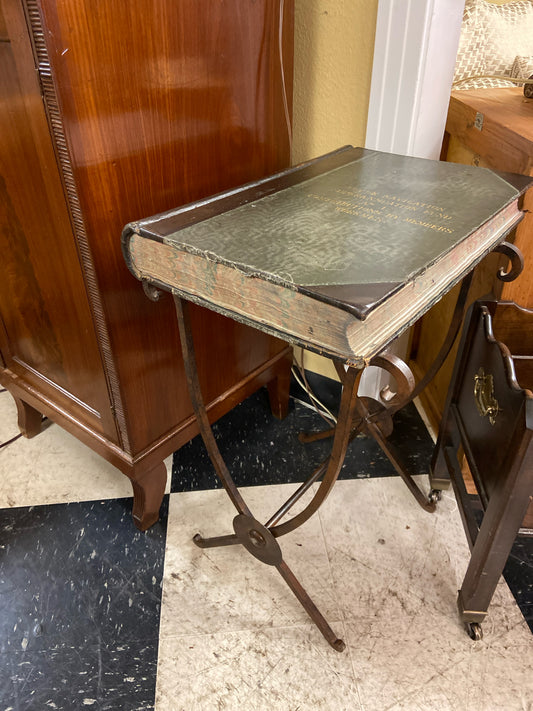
(334, 44)
(333, 52)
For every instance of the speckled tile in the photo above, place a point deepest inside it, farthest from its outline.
(80, 592)
(227, 589)
(281, 669)
(397, 570)
(261, 450)
(518, 573)
(405, 659)
(381, 543)
(238, 639)
(54, 467)
(102, 677)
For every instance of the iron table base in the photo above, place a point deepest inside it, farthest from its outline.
(356, 414)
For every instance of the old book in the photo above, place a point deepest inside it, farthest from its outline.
(339, 255)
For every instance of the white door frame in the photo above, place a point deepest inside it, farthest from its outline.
(414, 57)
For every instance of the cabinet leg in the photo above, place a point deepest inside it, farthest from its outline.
(439, 475)
(148, 491)
(29, 419)
(278, 390)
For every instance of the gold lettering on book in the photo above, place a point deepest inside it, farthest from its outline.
(388, 208)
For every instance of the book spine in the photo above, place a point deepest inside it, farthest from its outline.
(301, 318)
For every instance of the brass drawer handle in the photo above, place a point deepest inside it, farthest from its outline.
(486, 403)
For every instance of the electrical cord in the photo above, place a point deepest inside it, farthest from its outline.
(9, 441)
(317, 405)
(13, 439)
(283, 83)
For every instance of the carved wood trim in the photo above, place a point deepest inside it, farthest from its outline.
(71, 194)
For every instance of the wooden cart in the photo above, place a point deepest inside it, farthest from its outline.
(489, 417)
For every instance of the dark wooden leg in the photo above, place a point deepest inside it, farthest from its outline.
(502, 519)
(148, 490)
(278, 389)
(29, 419)
(439, 476)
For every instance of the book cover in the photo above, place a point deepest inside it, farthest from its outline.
(346, 234)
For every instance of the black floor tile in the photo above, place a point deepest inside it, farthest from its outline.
(518, 574)
(258, 449)
(103, 678)
(81, 594)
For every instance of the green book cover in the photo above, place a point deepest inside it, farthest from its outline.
(351, 235)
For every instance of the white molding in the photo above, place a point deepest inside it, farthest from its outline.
(414, 57)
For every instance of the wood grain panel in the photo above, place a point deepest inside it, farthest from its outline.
(4, 37)
(506, 135)
(43, 299)
(161, 105)
(505, 143)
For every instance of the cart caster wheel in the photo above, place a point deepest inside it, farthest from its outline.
(435, 495)
(474, 631)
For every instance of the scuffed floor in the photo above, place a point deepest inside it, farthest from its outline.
(94, 614)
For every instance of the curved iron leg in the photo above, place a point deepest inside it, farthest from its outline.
(449, 340)
(191, 373)
(336, 459)
(310, 607)
(373, 430)
(396, 460)
(259, 540)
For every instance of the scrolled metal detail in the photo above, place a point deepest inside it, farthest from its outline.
(486, 403)
(401, 373)
(516, 259)
(152, 292)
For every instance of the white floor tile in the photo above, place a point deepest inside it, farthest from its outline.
(54, 467)
(281, 669)
(381, 543)
(225, 589)
(231, 637)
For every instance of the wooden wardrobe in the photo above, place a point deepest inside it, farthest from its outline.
(113, 111)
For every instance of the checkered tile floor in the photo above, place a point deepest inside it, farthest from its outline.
(94, 614)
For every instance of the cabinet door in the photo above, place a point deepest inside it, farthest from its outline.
(47, 338)
(160, 103)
